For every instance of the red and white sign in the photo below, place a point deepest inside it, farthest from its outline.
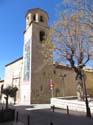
(51, 84)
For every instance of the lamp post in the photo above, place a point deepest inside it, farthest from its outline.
(63, 85)
(88, 113)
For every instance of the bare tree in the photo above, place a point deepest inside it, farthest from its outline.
(72, 37)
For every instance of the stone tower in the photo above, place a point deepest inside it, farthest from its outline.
(36, 29)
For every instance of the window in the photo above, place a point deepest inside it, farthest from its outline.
(42, 36)
(34, 17)
(41, 19)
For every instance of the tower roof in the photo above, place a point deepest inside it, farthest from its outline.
(35, 9)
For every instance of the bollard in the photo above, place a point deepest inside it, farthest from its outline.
(17, 117)
(53, 108)
(51, 123)
(67, 110)
(28, 120)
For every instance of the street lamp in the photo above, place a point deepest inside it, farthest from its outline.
(63, 85)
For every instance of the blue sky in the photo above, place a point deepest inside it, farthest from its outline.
(12, 25)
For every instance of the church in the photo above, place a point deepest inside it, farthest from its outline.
(38, 82)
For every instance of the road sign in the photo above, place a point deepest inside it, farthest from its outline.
(51, 84)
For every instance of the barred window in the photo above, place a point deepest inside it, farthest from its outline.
(34, 17)
(41, 19)
(42, 36)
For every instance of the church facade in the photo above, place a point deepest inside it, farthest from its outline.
(29, 73)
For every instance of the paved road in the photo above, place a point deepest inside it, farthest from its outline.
(59, 117)
(41, 116)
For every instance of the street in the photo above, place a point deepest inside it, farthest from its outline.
(48, 117)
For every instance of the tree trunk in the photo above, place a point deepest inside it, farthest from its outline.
(80, 92)
(15, 99)
(6, 102)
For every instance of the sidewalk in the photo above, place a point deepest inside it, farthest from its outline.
(18, 123)
(12, 123)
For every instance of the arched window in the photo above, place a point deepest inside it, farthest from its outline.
(41, 19)
(34, 17)
(42, 36)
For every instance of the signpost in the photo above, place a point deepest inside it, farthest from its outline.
(51, 85)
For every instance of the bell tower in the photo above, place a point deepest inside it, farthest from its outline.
(34, 34)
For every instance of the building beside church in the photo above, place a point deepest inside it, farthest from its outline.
(31, 75)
